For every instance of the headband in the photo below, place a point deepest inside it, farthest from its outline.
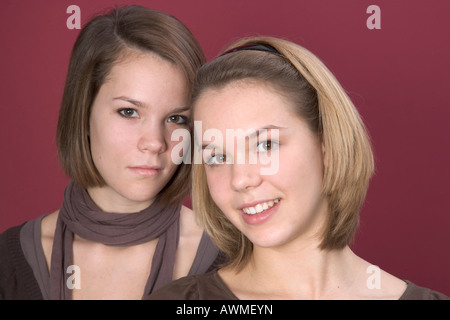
(256, 47)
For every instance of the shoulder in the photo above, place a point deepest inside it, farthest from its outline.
(198, 287)
(10, 244)
(390, 287)
(188, 223)
(48, 225)
(9, 241)
(9, 251)
(415, 292)
(189, 239)
(16, 276)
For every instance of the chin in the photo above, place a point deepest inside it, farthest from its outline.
(139, 195)
(143, 191)
(267, 240)
(143, 197)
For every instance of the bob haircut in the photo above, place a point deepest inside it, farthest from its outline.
(300, 76)
(101, 43)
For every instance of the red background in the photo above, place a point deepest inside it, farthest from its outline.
(398, 77)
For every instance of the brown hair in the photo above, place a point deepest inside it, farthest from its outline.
(100, 44)
(321, 101)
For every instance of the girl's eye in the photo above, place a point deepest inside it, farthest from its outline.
(128, 113)
(177, 119)
(265, 146)
(216, 159)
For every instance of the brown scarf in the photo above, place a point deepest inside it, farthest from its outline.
(79, 215)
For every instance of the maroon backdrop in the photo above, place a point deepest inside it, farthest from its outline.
(398, 76)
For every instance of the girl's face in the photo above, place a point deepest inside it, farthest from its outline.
(142, 101)
(270, 209)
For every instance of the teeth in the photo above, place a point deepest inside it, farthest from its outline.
(260, 207)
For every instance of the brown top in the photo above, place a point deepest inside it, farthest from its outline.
(210, 286)
(206, 259)
(23, 269)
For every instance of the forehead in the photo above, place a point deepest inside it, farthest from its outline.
(243, 104)
(148, 78)
(140, 64)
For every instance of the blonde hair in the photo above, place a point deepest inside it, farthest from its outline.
(323, 104)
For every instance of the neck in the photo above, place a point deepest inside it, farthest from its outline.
(109, 201)
(300, 273)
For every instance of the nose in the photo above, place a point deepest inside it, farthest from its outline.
(245, 176)
(152, 138)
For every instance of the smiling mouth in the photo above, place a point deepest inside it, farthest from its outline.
(260, 207)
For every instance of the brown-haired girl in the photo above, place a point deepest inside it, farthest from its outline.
(122, 230)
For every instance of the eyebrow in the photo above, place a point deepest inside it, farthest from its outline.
(180, 109)
(265, 128)
(134, 102)
(140, 104)
(250, 136)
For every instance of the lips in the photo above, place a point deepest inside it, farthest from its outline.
(260, 207)
(258, 212)
(146, 171)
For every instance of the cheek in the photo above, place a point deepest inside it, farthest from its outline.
(109, 144)
(300, 176)
(218, 187)
(105, 141)
(97, 144)
(305, 180)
